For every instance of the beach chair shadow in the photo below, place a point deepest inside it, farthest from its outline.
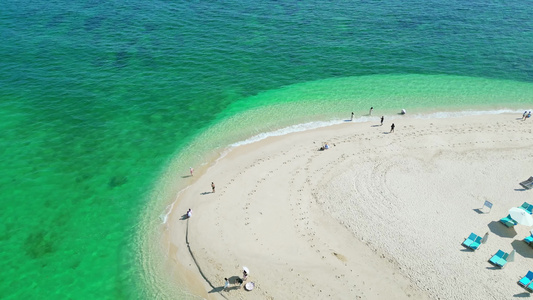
(522, 248)
(522, 295)
(479, 211)
(498, 229)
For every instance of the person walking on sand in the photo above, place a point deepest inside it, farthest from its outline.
(392, 127)
(371, 109)
(524, 115)
(382, 118)
(213, 186)
(226, 284)
(351, 118)
(189, 213)
(191, 170)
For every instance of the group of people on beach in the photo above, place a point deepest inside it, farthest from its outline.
(403, 112)
(238, 281)
(526, 115)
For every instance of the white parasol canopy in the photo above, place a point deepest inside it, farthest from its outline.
(246, 270)
(249, 286)
(521, 216)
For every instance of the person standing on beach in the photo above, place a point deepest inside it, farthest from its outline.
(213, 186)
(191, 170)
(371, 109)
(351, 119)
(226, 284)
(392, 127)
(524, 115)
(382, 118)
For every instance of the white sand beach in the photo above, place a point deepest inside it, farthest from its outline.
(379, 215)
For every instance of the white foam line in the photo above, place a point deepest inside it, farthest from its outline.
(319, 124)
(170, 207)
(465, 113)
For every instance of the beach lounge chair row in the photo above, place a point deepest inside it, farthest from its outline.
(527, 207)
(508, 221)
(526, 281)
(500, 259)
(473, 241)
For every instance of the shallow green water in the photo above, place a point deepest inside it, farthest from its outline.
(98, 99)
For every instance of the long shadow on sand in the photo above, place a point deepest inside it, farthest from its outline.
(522, 248)
(217, 290)
(499, 229)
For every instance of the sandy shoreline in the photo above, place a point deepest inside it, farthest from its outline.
(377, 216)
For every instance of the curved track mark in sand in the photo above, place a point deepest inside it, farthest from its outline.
(195, 262)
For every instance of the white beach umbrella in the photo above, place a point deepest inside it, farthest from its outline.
(246, 270)
(521, 216)
(249, 286)
(485, 237)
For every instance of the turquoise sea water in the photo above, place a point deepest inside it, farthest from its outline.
(102, 104)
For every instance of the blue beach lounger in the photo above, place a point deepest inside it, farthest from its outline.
(496, 257)
(508, 221)
(529, 239)
(469, 240)
(526, 279)
(501, 263)
(477, 242)
(527, 207)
